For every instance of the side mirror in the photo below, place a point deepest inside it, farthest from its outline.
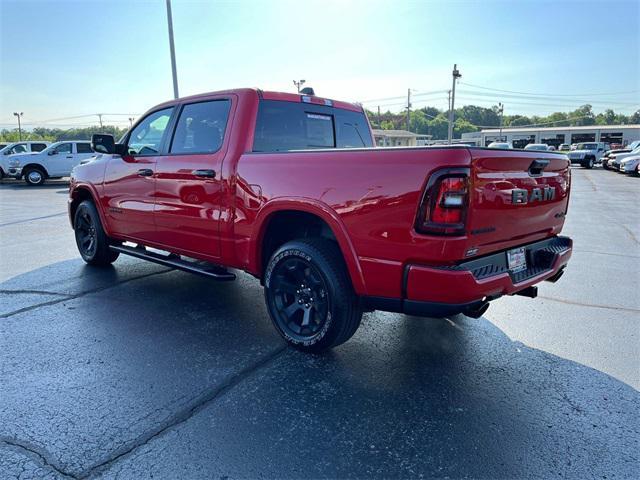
(103, 143)
(52, 152)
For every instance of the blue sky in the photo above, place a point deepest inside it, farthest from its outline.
(69, 58)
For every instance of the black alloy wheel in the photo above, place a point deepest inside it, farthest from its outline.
(300, 298)
(91, 239)
(309, 295)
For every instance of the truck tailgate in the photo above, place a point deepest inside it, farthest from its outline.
(516, 197)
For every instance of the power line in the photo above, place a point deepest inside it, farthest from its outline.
(552, 94)
(552, 99)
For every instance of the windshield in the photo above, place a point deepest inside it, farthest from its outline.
(634, 145)
(587, 146)
(535, 146)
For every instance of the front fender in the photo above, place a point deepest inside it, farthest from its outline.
(319, 209)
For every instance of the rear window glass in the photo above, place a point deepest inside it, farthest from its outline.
(283, 126)
(38, 147)
(84, 148)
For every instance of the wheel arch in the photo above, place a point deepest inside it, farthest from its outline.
(307, 212)
(79, 194)
(39, 166)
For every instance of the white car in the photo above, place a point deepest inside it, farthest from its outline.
(588, 154)
(18, 147)
(537, 146)
(503, 145)
(56, 161)
(630, 164)
(616, 159)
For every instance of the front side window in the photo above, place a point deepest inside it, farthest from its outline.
(20, 148)
(201, 127)
(84, 148)
(62, 148)
(146, 138)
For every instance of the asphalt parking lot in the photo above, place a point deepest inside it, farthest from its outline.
(139, 371)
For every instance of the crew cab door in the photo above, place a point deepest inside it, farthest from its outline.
(189, 183)
(129, 180)
(58, 159)
(83, 151)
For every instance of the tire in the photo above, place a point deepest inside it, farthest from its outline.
(589, 163)
(92, 242)
(34, 176)
(309, 295)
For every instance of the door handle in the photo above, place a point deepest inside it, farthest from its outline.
(145, 172)
(70, 156)
(204, 173)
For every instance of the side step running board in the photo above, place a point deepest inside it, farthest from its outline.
(207, 269)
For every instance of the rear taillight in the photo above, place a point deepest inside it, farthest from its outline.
(444, 204)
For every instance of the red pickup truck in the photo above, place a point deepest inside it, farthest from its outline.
(289, 188)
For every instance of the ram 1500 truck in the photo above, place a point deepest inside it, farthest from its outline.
(290, 189)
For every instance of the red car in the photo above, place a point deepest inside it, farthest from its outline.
(290, 189)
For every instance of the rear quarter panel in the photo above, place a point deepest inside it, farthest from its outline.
(370, 195)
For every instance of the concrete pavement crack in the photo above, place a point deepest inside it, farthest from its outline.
(27, 220)
(31, 450)
(185, 414)
(37, 292)
(592, 305)
(81, 294)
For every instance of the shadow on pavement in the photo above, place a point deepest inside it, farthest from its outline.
(160, 373)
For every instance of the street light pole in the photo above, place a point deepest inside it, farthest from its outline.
(100, 118)
(131, 119)
(408, 110)
(501, 110)
(172, 50)
(18, 115)
(299, 84)
(456, 75)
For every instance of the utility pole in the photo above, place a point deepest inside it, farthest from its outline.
(501, 110)
(456, 75)
(408, 109)
(448, 101)
(299, 84)
(172, 50)
(100, 118)
(18, 115)
(379, 118)
(131, 119)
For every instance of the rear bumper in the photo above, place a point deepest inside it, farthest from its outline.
(441, 291)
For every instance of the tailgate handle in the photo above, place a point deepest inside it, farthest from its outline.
(537, 166)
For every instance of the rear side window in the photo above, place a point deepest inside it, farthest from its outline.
(84, 148)
(38, 147)
(283, 126)
(201, 127)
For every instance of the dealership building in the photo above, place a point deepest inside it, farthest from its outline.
(519, 137)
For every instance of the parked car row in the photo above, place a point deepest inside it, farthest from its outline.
(624, 160)
(37, 161)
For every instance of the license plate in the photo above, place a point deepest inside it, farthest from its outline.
(517, 259)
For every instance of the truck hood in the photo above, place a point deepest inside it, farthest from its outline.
(20, 155)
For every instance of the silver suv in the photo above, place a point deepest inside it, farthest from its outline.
(588, 154)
